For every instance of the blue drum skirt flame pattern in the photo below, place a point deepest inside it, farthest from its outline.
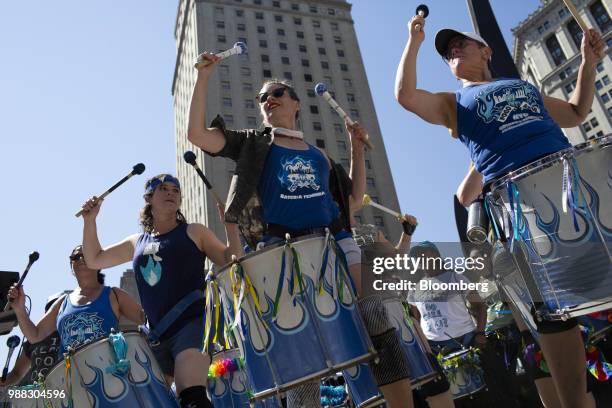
(92, 381)
(557, 219)
(297, 317)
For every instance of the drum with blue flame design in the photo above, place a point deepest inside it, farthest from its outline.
(95, 385)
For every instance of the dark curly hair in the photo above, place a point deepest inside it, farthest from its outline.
(146, 215)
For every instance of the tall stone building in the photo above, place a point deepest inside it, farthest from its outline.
(547, 53)
(303, 41)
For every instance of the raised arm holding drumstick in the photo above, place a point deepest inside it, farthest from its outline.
(500, 143)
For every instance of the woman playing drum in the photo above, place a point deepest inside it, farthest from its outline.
(168, 259)
(505, 123)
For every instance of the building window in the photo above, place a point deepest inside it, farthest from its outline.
(317, 126)
(546, 25)
(368, 164)
(265, 58)
(348, 83)
(599, 134)
(337, 39)
(288, 75)
(378, 221)
(586, 126)
(249, 104)
(338, 128)
(322, 51)
(598, 85)
(563, 12)
(285, 60)
(310, 93)
(606, 80)
(555, 50)
(276, 4)
(221, 38)
(241, 27)
(605, 98)
(320, 143)
(299, 34)
(297, 21)
(267, 73)
(324, 64)
(600, 66)
(370, 182)
(305, 63)
(263, 44)
(307, 77)
(219, 10)
(540, 30)
(334, 26)
(258, 15)
(575, 32)
(594, 122)
(313, 9)
(245, 71)
(225, 85)
(227, 102)
(280, 32)
(343, 67)
(350, 97)
(258, 2)
(282, 45)
(340, 53)
(314, 109)
(229, 119)
(601, 16)
(341, 145)
(302, 48)
(295, 7)
(278, 18)
(261, 29)
(220, 24)
(610, 111)
(331, 11)
(247, 87)
(316, 23)
(239, 13)
(319, 37)
(354, 113)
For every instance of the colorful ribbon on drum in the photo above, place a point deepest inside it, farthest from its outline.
(573, 197)
(119, 346)
(296, 282)
(514, 199)
(242, 286)
(213, 312)
(225, 366)
(341, 270)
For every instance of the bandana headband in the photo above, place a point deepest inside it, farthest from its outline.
(158, 181)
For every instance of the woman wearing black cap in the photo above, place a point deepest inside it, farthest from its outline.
(505, 123)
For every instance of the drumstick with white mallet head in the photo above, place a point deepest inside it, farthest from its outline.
(367, 200)
(423, 11)
(237, 49)
(137, 169)
(190, 158)
(321, 90)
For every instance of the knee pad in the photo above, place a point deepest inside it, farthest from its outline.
(374, 315)
(305, 396)
(194, 397)
(392, 365)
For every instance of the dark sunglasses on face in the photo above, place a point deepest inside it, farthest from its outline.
(277, 93)
(76, 257)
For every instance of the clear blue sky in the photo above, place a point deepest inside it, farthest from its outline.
(85, 95)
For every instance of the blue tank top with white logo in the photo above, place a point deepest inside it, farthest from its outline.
(167, 268)
(505, 125)
(294, 188)
(78, 325)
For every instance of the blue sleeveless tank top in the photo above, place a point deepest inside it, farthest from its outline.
(167, 268)
(505, 125)
(78, 325)
(294, 188)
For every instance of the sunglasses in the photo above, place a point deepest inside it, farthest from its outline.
(76, 257)
(277, 93)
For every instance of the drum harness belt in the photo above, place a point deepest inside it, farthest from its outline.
(174, 313)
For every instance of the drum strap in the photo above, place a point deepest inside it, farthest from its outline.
(174, 314)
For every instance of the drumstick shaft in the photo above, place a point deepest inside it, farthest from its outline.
(332, 102)
(570, 6)
(107, 192)
(385, 209)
